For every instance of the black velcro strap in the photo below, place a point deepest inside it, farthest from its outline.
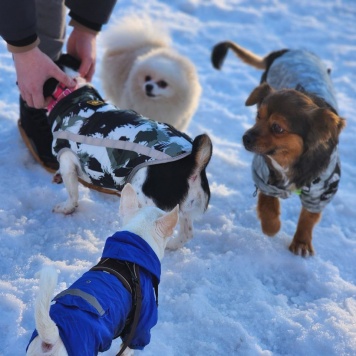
(117, 268)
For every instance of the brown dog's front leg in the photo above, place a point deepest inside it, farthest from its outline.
(268, 211)
(302, 241)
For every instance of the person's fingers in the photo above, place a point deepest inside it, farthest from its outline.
(90, 73)
(28, 99)
(38, 100)
(85, 68)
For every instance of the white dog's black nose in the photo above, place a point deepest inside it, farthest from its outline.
(149, 88)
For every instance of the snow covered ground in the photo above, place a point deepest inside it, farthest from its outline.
(231, 290)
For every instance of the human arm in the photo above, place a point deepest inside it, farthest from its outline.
(87, 21)
(33, 68)
(18, 28)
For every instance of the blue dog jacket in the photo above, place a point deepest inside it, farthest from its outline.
(94, 308)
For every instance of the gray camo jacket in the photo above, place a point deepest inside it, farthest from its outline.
(302, 70)
(112, 144)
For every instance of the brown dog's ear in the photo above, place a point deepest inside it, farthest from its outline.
(258, 94)
(328, 125)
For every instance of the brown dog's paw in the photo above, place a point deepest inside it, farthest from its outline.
(301, 248)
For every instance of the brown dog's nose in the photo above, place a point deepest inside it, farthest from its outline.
(248, 139)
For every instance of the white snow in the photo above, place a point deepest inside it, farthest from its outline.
(231, 290)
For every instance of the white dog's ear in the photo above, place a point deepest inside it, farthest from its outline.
(165, 224)
(128, 201)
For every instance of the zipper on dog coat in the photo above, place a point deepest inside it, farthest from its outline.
(112, 144)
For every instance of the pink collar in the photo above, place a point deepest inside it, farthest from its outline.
(60, 92)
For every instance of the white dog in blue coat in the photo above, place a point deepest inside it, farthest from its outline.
(86, 317)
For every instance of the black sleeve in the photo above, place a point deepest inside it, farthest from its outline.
(91, 13)
(18, 22)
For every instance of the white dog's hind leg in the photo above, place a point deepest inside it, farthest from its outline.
(69, 168)
(48, 341)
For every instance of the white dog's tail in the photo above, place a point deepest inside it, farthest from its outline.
(134, 32)
(46, 327)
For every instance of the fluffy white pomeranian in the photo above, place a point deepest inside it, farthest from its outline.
(141, 71)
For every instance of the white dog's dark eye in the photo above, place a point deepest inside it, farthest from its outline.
(147, 78)
(277, 129)
(162, 84)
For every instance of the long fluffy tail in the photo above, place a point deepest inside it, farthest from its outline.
(220, 50)
(46, 328)
(135, 31)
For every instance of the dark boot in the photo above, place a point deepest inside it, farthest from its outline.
(33, 123)
(36, 131)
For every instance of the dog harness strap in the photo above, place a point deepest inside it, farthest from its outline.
(86, 296)
(117, 268)
(135, 274)
(155, 286)
(109, 143)
(128, 273)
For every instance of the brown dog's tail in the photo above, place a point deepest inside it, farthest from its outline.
(220, 50)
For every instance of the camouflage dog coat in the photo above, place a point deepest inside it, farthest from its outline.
(112, 144)
(304, 71)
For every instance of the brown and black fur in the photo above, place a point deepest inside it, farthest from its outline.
(294, 129)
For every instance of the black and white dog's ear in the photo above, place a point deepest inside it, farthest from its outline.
(49, 87)
(202, 151)
(69, 65)
(68, 62)
(128, 202)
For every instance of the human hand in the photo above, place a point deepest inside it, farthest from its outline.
(33, 68)
(81, 44)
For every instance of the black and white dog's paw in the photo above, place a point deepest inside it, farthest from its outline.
(65, 208)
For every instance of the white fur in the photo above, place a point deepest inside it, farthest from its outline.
(283, 171)
(152, 224)
(138, 54)
(48, 342)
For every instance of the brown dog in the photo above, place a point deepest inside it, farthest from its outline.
(294, 138)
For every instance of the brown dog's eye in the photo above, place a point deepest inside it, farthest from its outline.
(147, 78)
(162, 84)
(258, 116)
(277, 129)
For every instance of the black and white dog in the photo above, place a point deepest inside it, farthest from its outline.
(108, 147)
